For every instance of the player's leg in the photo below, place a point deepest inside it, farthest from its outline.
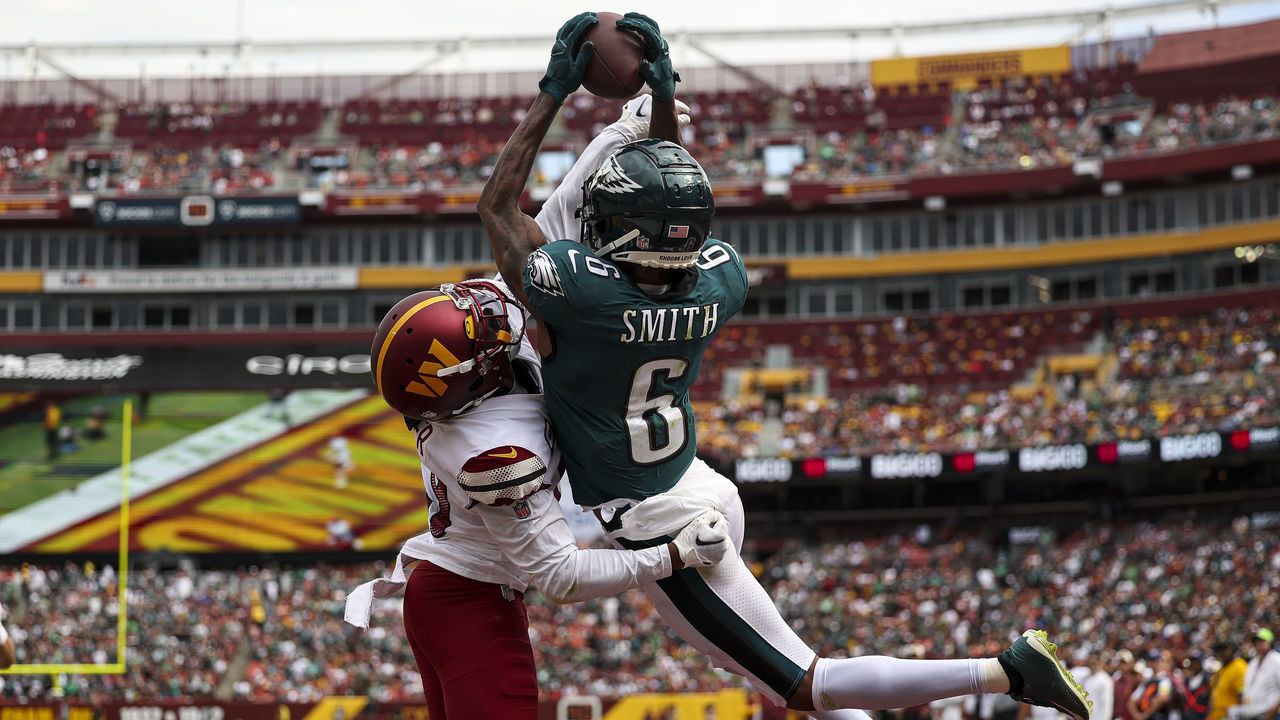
(476, 637)
(1029, 671)
(839, 715)
(416, 620)
(725, 613)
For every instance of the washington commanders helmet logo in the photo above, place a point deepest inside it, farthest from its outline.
(427, 383)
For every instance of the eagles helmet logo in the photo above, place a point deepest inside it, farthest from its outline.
(611, 178)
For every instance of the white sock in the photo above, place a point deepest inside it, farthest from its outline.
(838, 715)
(876, 682)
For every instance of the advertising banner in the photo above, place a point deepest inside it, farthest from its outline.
(729, 703)
(374, 203)
(202, 280)
(135, 212)
(257, 211)
(964, 70)
(196, 211)
(458, 201)
(32, 207)
(247, 366)
(1027, 461)
(818, 193)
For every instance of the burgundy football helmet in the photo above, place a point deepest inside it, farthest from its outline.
(440, 352)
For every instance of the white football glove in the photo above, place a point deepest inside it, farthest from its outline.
(704, 541)
(636, 114)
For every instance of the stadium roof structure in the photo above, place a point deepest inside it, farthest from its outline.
(1080, 22)
(1084, 20)
(1091, 32)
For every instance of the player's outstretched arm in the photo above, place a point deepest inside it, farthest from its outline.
(548, 553)
(513, 234)
(665, 125)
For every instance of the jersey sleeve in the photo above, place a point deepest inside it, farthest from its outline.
(535, 536)
(557, 216)
(502, 475)
(552, 286)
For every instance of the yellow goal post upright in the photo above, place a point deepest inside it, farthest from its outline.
(57, 670)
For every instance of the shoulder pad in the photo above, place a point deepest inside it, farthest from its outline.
(502, 475)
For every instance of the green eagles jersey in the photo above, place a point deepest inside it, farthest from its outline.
(617, 384)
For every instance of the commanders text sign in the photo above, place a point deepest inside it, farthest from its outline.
(964, 70)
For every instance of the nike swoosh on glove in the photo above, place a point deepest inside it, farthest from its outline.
(704, 541)
(638, 112)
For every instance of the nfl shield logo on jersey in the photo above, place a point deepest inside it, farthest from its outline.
(522, 509)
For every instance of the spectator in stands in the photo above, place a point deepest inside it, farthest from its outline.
(1097, 681)
(1128, 678)
(1228, 682)
(1194, 688)
(1261, 698)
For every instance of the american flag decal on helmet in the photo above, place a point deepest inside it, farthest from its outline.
(678, 231)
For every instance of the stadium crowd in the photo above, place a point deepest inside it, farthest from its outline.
(1005, 129)
(844, 132)
(1174, 376)
(1175, 584)
(221, 169)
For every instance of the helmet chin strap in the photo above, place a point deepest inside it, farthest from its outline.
(666, 261)
(464, 366)
(626, 238)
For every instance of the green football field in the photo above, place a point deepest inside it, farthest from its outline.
(26, 475)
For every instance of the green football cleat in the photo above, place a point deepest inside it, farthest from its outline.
(1038, 678)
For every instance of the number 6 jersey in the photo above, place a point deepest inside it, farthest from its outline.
(618, 380)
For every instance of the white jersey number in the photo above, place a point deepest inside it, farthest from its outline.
(715, 255)
(645, 412)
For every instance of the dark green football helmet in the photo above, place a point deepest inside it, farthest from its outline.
(650, 204)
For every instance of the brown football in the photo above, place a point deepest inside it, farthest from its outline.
(614, 71)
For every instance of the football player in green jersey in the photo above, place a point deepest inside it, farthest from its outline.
(624, 318)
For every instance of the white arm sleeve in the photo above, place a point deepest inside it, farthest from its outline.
(544, 548)
(556, 218)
